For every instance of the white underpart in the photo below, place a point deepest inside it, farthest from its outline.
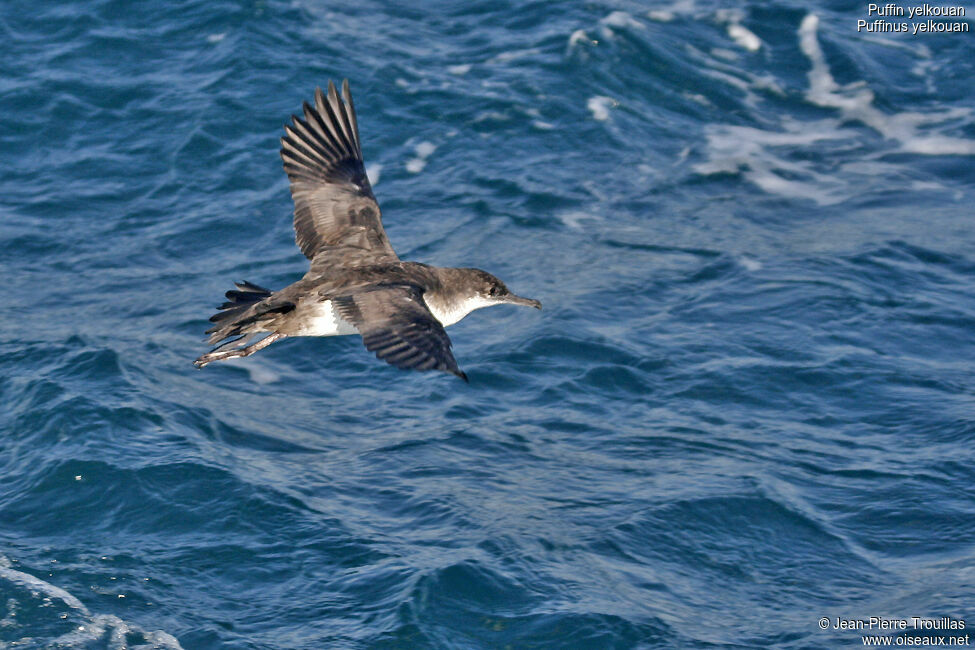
(325, 321)
(451, 316)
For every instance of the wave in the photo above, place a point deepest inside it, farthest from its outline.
(63, 621)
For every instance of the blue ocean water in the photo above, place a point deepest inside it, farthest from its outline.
(748, 404)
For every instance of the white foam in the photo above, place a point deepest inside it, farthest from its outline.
(744, 37)
(752, 152)
(514, 55)
(622, 19)
(855, 103)
(35, 584)
(661, 16)
(926, 186)
(491, 116)
(750, 264)
(773, 158)
(117, 630)
(89, 627)
(580, 36)
(696, 97)
(722, 53)
(373, 171)
(574, 218)
(733, 75)
(460, 69)
(261, 374)
(216, 38)
(681, 7)
(740, 34)
(618, 20)
(423, 150)
(599, 106)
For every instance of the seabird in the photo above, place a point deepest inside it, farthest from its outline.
(356, 283)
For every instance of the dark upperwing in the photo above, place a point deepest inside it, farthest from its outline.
(337, 218)
(397, 326)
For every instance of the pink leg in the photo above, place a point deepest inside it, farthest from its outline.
(238, 352)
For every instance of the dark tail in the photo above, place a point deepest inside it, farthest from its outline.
(244, 307)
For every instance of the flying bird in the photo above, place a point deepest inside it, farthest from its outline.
(356, 284)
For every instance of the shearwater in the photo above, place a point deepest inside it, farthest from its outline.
(356, 282)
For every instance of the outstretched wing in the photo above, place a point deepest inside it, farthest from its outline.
(336, 214)
(397, 326)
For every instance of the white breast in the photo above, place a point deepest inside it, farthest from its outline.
(448, 315)
(323, 320)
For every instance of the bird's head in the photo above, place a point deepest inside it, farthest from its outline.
(464, 290)
(492, 291)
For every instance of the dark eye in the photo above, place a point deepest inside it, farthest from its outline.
(495, 290)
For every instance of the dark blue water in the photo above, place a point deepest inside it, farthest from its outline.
(749, 402)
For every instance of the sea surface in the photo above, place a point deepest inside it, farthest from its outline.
(748, 403)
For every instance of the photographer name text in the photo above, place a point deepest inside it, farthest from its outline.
(881, 623)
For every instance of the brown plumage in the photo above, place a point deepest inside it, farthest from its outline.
(356, 283)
